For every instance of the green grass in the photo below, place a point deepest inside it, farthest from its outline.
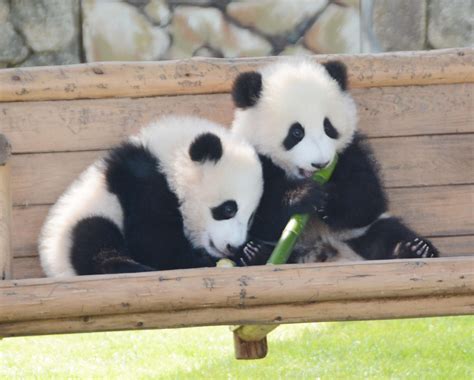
(435, 348)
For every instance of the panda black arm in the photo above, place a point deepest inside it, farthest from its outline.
(355, 193)
(282, 198)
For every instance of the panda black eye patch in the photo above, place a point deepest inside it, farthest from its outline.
(294, 136)
(330, 130)
(224, 211)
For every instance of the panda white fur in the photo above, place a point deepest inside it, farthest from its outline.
(174, 196)
(298, 115)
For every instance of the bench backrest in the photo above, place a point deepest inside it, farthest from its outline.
(420, 124)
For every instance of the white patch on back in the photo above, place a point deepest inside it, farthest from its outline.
(87, 196)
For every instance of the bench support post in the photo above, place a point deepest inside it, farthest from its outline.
(5, 211)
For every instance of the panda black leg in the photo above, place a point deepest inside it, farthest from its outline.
(98, 247)
(108, 262)
(390, 239)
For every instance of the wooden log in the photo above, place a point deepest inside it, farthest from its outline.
(208, 75)
(6, 253)
(95, 124)
(344, 310)
(249, 350)
(236, 288)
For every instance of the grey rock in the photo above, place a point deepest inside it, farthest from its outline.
(12, 47)
(158, 11)
(273, 17)
(451, 23)
(48, 25)
(337, 30)
(49, 59)
(116, 31)
(195, 27)
(400, 25)
(4, 10)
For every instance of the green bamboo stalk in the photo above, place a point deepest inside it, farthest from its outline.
(281, 253)
(297, 223)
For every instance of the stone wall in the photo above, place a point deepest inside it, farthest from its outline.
(47, 32)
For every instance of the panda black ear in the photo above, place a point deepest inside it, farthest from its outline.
(338, 71)
(246, 89)
(206, 147)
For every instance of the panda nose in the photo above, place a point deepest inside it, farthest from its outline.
(320, 166)
(232, 249)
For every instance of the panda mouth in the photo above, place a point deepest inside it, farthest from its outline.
(306, 173)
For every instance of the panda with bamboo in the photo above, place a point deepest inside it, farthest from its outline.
(300, 118)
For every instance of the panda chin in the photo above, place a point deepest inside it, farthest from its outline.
(213, 251)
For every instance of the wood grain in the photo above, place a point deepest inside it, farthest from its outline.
(436, 211)
(208, 75)
(405, 161)
(5, 149)
(6, 254)
(101, 123)
(449, 246)
(205, 288)
(413, 307)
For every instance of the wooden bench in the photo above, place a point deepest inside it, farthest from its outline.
(416, 108)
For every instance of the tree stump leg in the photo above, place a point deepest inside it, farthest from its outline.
(250, 350)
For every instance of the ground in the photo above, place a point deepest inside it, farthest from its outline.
(433, 348)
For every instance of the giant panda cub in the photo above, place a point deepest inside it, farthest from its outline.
(174, 196)
(299, 115)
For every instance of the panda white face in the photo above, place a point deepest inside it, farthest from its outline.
(299, 114)
(219, 186)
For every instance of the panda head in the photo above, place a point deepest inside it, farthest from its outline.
(218, 181)
(297, 113)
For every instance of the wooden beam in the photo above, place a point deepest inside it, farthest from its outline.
(211, 289)
(325, 311)
(6, 254)
(210, 75)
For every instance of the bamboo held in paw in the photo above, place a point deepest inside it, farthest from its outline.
(254, 336)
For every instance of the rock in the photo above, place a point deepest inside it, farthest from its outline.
(116, 31)
(48, 25)
(158, 11)
(4, 10)
(273, 17)
(349, 3)
(297, 49)
(48, 59)
(195, 27)
(400, 25)
(451, 23)
(335, 31)
(12, 47)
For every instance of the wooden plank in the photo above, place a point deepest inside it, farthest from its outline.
(204, 288)
(436, 211)
(27, 267)
(100, 123)
(210, 75)
(6, 253)
(449, 246)
(406, 161)
(371, 309)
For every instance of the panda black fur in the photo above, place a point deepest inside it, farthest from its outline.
(174, 196)
(298, 115)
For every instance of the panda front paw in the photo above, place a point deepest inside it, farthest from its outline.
(313, 199)
(415, 249)
(254, 253)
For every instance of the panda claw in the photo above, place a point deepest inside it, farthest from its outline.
(415, 248)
